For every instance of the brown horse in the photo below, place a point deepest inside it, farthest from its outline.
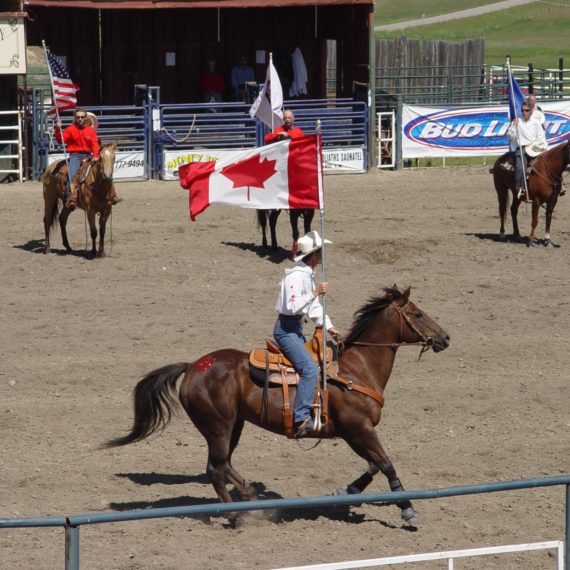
(219, 395)
(95, 193)
(263, 216)
(544, 187)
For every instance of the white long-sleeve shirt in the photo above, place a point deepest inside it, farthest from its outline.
(525, 132)
(296, 295)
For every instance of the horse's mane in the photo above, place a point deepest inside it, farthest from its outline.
(367, 312)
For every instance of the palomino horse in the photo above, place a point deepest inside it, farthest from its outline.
(219, 395)
(95, 195)
(264, 215)
(544, 187)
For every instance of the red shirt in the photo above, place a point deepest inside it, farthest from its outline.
(79, 140)
(277, 134)
(212, 82)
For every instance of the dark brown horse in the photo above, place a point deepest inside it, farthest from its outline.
(264, 216)
(95, 195)
(544, 187)
(219, 395)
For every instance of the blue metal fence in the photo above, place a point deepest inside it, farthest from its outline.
(153, 128)
(73, 523)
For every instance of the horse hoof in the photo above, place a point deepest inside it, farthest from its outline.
(502, 237)
(410, 517)
(530, 243)
(548, 243)
(340, 493)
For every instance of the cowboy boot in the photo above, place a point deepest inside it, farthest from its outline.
(72, 201)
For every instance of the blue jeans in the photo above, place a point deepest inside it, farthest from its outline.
(288, 333)
(74, 162)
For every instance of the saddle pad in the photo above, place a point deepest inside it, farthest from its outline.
(275, 378)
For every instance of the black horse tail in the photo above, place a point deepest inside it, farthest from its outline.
(154, 401)
(261, 217)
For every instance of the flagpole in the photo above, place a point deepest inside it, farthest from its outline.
(270, 90)
(323, 265)
(512, 97)
(58, 122)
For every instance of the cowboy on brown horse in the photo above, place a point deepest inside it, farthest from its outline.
(82, 144)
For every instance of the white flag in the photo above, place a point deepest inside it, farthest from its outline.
(268, 107)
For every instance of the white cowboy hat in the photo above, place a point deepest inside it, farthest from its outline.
(308, 243)
(535, 148)
(93, 119)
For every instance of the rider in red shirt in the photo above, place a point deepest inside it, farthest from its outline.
(81, 142)
(287, 130)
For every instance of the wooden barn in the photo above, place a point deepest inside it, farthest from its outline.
(112, 45)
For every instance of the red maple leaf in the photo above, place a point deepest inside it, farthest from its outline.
(251, 172)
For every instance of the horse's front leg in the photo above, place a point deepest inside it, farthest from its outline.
(102, 226)
(534, 222)
(549, 211)
(92, 230)
(308, 216)
(273, 215)
(368, 446)
(294, 219)
(514, 215)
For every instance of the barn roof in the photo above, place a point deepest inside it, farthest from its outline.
(158, 4)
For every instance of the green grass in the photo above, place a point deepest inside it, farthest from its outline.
(536, 33)
(390, 12)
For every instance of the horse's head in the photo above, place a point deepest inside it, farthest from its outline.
(417, 326)
(107, 161)
(392, 320)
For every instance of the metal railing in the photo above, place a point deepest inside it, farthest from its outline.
(72, 523)
(465, 84)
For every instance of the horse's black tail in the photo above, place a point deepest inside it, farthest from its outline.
(154, 401)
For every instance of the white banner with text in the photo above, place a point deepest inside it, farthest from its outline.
(471, 131)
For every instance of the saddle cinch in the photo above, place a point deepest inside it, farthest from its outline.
(270, 366)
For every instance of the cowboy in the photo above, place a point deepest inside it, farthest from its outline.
(522, 133)
(298, 299)
(82, 142)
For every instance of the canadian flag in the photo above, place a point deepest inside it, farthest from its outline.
(284, 175)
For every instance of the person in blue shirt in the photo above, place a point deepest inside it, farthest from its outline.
(240, 75)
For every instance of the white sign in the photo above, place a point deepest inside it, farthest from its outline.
(343, 159)
(335, 160)
(12, 45)
(470, 131)
(128, 165)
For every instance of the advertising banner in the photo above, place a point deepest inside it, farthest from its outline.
(128, 165)
(340, 160)
(471, 131)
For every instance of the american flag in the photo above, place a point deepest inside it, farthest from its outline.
(64, 90)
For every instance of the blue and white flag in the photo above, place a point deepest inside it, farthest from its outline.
(516, 97)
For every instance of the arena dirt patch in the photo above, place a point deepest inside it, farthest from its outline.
(77, 335)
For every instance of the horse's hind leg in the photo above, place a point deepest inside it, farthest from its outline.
(262, 221)
(503, 198)
(368, 446)
(50, 212)
(244, 487)
(549, 211)
(63, 226)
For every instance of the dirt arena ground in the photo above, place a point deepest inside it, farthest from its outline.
(78, 334)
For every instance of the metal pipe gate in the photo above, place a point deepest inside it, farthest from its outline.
(72, 523)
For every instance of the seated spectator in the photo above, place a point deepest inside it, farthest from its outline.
(240, 75)
(212, 84)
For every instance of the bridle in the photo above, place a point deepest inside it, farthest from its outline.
(426, 342)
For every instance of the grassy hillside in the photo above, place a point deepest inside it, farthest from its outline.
(536, 33)
(390, 12)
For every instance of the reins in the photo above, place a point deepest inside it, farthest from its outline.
(426, 342)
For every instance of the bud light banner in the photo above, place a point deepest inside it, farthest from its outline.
(471, 131)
